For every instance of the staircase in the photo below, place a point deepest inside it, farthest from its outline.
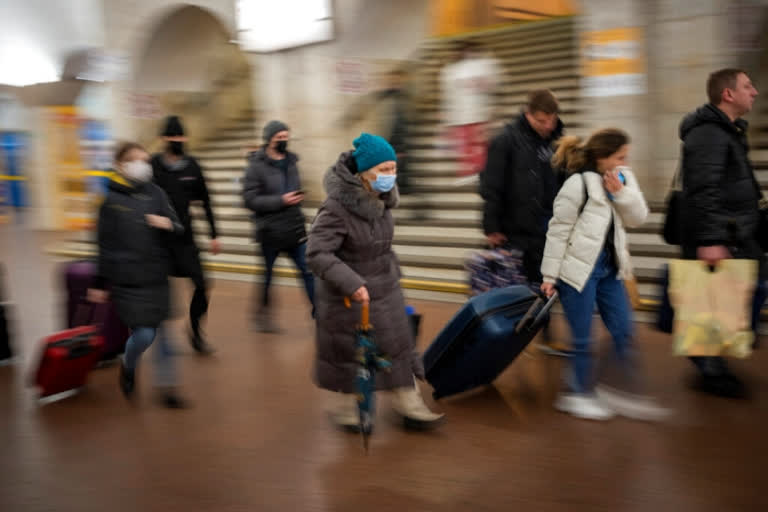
(439, 225)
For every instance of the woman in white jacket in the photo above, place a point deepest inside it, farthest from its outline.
(586, 259)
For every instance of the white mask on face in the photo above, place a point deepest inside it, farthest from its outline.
(138, 170)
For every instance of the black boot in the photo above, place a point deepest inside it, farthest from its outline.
(170, 399)
(263, 323)
(127, 380)
(725, 385)
(199, 344)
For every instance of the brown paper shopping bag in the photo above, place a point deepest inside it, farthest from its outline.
(712, 307)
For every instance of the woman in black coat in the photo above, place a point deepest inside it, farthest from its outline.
(136, 223)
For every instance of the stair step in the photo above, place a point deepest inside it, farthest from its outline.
(510, 60)
(239, 153)
(227, 187)
(567, 84)
(514, 44)
(229, 143)
(443, 183)
(509, 32)
(223, 163)
(406, 214)
(435, 117)
(510, 68)
(432, 110)
(469, 200)
(421, 129)
(567, 78)
(404, 235)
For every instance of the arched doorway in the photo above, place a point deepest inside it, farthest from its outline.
(189, 67)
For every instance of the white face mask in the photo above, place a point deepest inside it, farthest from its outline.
(138, 170)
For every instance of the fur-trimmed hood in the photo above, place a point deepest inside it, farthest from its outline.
(345, 187)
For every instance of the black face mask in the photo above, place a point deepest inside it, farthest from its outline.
(176, 147)
(281, 146)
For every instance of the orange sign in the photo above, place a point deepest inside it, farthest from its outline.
(451, 17)
(613, 62)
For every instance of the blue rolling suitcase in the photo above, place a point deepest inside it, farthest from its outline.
(483, 338)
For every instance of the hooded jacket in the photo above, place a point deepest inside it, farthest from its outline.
(720, 191)
(134, 258)
(350, 245)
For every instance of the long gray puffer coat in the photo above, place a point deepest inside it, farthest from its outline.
(350, 245)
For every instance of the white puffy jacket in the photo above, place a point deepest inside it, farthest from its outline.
(574, 242)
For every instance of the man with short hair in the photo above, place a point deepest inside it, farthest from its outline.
(272, 191)
(519, 185)
(720, 215)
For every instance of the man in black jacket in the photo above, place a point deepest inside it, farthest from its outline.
(182, 179)
(720, 216)
(272, 191)
(519, 185)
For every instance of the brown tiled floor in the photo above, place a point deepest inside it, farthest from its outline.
(258, 438)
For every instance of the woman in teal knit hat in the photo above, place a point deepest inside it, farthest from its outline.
(350, 252)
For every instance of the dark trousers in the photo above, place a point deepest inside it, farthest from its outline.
(297, 254)
(186, 263)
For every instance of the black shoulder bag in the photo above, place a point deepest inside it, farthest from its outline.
(672, 228)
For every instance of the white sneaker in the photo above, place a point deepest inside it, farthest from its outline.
(631, 406)
(583, 406)
(11, 361)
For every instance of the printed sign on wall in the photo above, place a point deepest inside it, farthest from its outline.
(613, 62)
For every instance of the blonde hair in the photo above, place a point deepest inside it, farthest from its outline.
(574, 155)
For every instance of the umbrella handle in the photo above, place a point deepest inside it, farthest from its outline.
(365, 313)
(365, 316)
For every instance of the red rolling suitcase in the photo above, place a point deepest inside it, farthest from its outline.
(67, 358)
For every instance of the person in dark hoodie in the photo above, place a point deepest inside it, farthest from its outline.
(272, 191)
(181, 177)
(136, 226)
(720, 215)
(519, 185)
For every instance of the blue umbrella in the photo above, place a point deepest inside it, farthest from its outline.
(369, 362)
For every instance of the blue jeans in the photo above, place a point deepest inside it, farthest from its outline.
(608, 292)
(140, 340)
(297, 255)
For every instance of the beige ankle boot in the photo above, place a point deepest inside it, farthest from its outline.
(409, 404)
(344, 410)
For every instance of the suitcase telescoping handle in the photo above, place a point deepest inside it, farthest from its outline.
(531, 317)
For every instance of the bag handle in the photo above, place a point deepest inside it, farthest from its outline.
(677, 179)
(586, 194)
(532, 311)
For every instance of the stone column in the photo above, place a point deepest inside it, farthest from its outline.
(630, 113)
(687, 42)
